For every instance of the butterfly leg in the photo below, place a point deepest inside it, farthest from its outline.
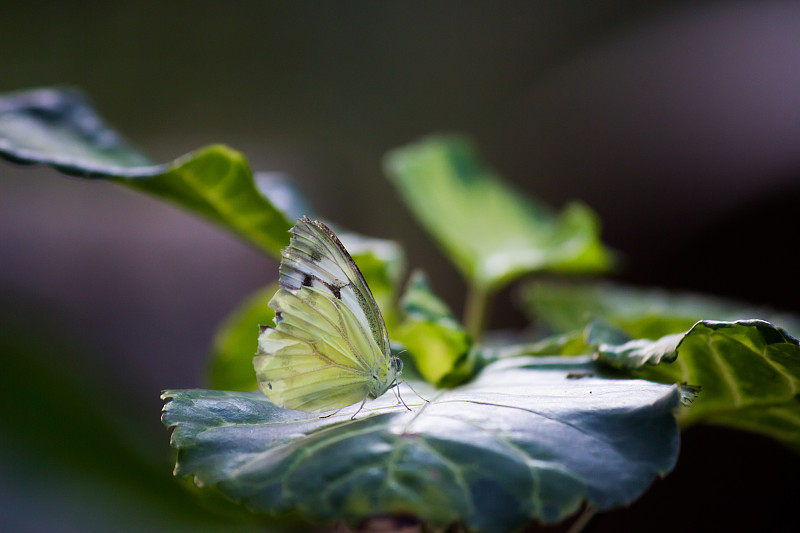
(359, 409)
(333, 413)
(396, 394)
(396, 386)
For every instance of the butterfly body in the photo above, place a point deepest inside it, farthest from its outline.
(329, 347)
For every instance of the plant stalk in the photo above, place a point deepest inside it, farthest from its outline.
(475, 309)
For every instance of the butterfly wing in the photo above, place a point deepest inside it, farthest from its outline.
(329, 345)
(317, 258)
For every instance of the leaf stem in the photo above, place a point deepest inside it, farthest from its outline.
(583, 520)
(475, 308)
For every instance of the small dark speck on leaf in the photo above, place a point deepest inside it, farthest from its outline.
(269, 386)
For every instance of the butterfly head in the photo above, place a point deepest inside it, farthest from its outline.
(395, 367)
(381, 384)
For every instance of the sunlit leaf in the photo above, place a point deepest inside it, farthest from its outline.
(492, 233)
(523, 441)
(435, 340)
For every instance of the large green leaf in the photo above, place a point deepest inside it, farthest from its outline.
(642, 313)
(523, 441)
(434, 338)
(749, 372)
(60, 129)
(491, 232)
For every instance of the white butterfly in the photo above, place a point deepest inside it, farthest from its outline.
(329, 348)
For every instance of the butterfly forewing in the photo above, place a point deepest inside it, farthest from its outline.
(317, 258)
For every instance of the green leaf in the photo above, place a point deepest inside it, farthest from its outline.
(749, 372)
(435, 340)
(60, 129)
(642, 313)
(216, 182)
(521, 442)
(491, 232)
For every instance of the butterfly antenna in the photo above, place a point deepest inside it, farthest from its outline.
(415, 392)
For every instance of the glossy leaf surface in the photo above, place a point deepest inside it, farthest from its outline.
(522, 441)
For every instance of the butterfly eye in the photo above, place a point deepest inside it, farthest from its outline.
(397, 364)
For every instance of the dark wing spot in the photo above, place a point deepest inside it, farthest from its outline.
(269, 386)
(307, 281)
(337, 292)
(316, 256)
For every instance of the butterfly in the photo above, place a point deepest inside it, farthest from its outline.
(329, 347)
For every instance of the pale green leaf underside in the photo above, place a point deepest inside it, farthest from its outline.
(492, 233)
(59, 128)
(522, 441)
(749, 371)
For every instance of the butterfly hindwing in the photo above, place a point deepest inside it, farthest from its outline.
(317, 357)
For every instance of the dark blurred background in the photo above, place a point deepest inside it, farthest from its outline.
(678, 122)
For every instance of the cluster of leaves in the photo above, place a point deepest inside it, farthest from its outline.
(516, 429)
